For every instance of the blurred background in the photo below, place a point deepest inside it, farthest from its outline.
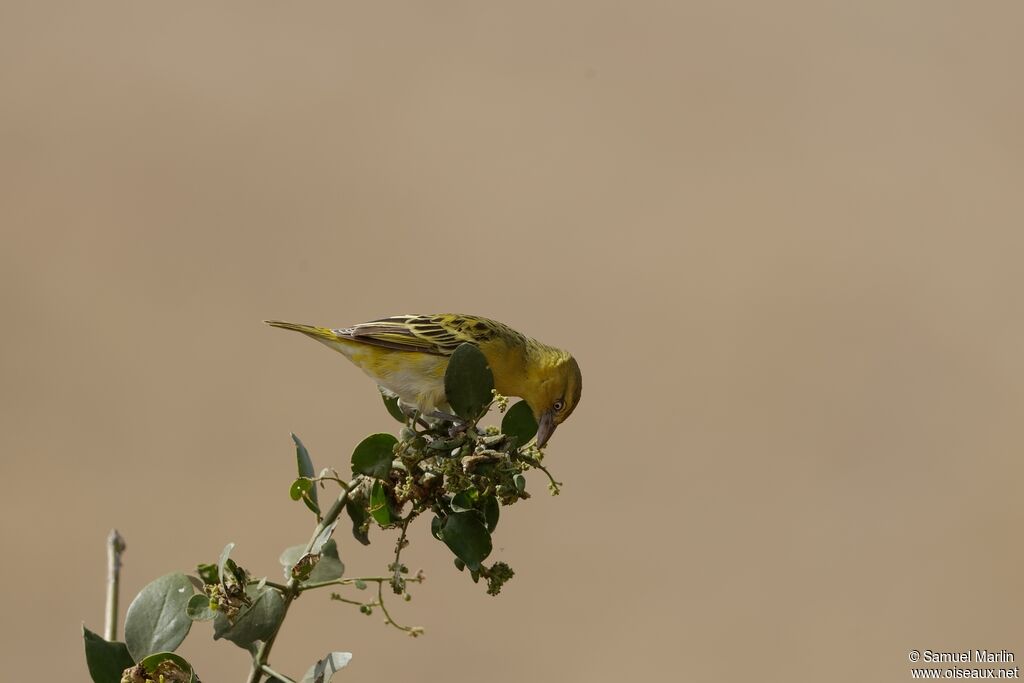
(782, 239)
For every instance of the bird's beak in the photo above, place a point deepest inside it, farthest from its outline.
(545, 428)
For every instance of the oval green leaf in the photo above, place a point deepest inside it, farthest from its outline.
(299, 488)
(256, 622)
(106, 660)
(379, 508)
(373, 456)
(464, 500)
(304, 464)
(467, 537)
(167, 666)
(156, 619)
(468, 382)
(520, 423)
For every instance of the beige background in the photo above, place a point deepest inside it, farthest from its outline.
(783, 239)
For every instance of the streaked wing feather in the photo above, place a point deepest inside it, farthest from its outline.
(439, 334)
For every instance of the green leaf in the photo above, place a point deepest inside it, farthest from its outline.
(465, 500)
(391, 403)
(208, 573)
(373, 456)
(106, 660)
(328, 567)
(256, 622)
(520, 482)
(492, 510)
(467, 537)
(323, 670)
(198, 608)
(435, 527)
(379, 508)
(357, 513)
(520, 423)
(305, 467)
(468, 382)
(166, 663)
(156, 619)
(299, 488)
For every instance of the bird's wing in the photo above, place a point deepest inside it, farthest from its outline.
(435, 334)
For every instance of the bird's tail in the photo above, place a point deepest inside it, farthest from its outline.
(318, 333)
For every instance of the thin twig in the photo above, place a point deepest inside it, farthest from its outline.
(115, 546)
(411, 630)
(354, 580)
(272, 584)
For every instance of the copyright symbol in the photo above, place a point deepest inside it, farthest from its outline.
(914, 655)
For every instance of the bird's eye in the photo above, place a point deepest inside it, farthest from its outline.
(559, 404)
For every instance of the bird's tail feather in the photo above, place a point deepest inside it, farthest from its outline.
(320, 333)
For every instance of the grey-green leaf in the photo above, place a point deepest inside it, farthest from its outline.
(467, 537)
(323, 537)
(391, 403)
(323, 670)
(328, 568)
(305, 467)
(106, 660)
(373, 456)
(468, 382)
(168, 659)
(222, 561)
(198, 608)
(156, 619)
(519, 422)
(256, 622)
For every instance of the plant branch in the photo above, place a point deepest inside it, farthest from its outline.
(281, 677)
(354, 580)
(556, 485)
(115, 547)
(293, 588)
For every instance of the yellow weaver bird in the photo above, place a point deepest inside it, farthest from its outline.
(408, 355)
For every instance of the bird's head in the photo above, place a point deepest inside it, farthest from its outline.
(554, 393)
